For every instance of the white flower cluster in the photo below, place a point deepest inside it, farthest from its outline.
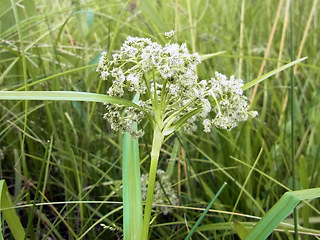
(166, 75)
(224, 99)
(163, 192)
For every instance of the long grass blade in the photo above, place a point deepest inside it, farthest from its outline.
(132, 201)
(64, 96)
(295, 216)
(279, 211)
(9, 213)
(271, 73)
(282, 227)
(68, 96)
(205, 212)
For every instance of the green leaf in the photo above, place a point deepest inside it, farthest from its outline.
(230, 227)
(132, 200)
(9, 213)
(279, 211)
(64, 96)
(170, 128)
(240, 229)
(69, 96)
(271, 73)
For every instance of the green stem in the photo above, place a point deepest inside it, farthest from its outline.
(156, 146)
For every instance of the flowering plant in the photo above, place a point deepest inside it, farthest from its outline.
(170, 96)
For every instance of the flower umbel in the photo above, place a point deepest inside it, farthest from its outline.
(165, 79)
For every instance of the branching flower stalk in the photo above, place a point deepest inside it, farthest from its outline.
(171, 96)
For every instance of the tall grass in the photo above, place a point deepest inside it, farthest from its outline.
(55, 45)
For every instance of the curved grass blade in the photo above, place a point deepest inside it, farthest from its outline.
(205, 212)
(271, 73)
(210, 55)
(9, 213)
(282, 227)
(279, 211)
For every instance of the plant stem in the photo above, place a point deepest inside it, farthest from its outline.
(295, 214)
(156, 146)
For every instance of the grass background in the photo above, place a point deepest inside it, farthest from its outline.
(55, 45)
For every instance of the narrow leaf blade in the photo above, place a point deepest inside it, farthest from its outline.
(271, 73)
(279, 211)
(132, 201)
(241, 230)
(210, 55)
(205, 212)
(68, 96)
(9, 213)
(64, 96)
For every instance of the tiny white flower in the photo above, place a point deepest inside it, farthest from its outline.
(104, 75)
(133, 79)
(206, 108)
(207, 125)
(169, 34)
(173, 90)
